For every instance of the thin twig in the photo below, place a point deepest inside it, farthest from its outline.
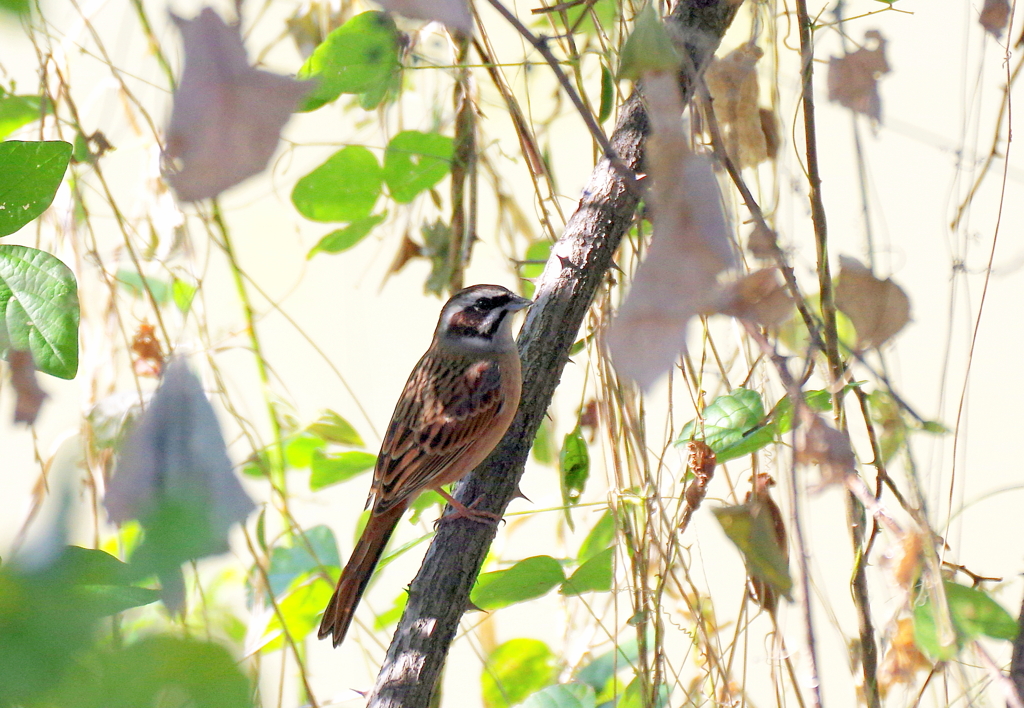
(541, 45)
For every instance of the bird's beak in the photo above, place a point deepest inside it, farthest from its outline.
(520, 303)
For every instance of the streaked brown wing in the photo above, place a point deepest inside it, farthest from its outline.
(446, 406)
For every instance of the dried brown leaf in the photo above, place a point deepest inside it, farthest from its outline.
(175, 454)
(761, 592)
(772, 133)
(758, 297)
(407, 250)
(821, 444)
(732, 82)
(452, 13)
(149, 356)
(878, 308)
(701, 460)
(227, 116)
(995, 14)
(902, 658)
(28, 396)
(762, 243)
(853, 79)
(690, 246)
(907, 568)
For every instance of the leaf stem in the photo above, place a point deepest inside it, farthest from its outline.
(275, 453)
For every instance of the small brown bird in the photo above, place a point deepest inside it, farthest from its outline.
(456, 406)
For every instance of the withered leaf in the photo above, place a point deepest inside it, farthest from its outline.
(758, 297)
(762, 242)
(821, 444)
(452, 13)
(732, 82)
(771, 131)
(994, 16)
(760, 496)
(149, 357)
(689, 248)
(176, 452)
(906, 571)
(174, 476)
(853, 79)
(407, 250)
(877, 308)
(28, 395)
(902, 658)
(227, 116)
(752, 528)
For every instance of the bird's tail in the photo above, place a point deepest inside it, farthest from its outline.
(356, 575)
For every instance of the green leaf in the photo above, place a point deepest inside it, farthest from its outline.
(414, 162)
(359, 56)
(382, 92)
(580, 16)
(600, 537)
(516, 669)
(301, 609)
(17, 111)
(891, 428)
(633, 696)
(257, 465)
(30, 174)
(315, 548)
(793, 332)
(394, 613)
(42, 626)
(527, 579)
(401, 550)
(39, 309)
(426, 501)
(574, 468)
(101, 583)
(607, 94)
(648, 48)
(564, 695)
(299, 450)
(543, 443)
(974, 614)
(334, 429)
(182, 293)
(335, 467)
(131, 281)
(534, 259)
(148, 672)
(595, 575)
(602, 668)
(21, 7)
(754, 536)
(346, 237)
(344, 188)
(726, 420)
(107, 600)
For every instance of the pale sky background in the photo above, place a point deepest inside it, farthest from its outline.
(939, 107)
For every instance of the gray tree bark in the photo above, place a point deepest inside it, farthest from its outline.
(439, 594)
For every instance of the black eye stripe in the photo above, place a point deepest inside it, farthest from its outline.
(492, 303)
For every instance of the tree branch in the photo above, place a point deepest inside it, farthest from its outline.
(440, 592)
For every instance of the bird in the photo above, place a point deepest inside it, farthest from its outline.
(457, 404)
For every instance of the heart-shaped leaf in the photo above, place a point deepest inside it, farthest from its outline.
(29, 176)
(39, 309)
